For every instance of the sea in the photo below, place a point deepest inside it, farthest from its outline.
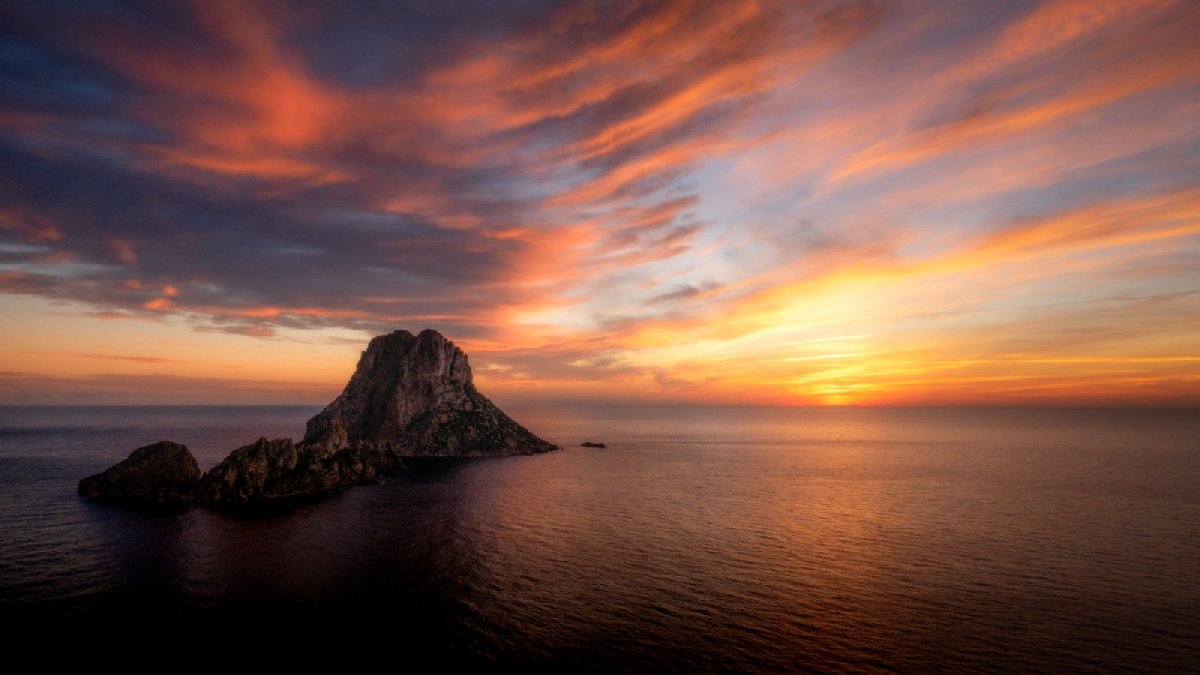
(699, 539)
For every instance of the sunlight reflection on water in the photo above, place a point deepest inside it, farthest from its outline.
(756, 539)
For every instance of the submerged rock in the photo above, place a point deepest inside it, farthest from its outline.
(163, 472)
(411, 395)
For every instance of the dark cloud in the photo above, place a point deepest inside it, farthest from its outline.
(683, 293)
(384, 43)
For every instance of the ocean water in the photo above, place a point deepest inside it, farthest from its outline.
(701, 539)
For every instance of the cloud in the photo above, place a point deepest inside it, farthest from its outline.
(552, 142)
(619, 186)
(18, 388)
(150, 360)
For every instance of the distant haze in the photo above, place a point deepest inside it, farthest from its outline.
(871, 202)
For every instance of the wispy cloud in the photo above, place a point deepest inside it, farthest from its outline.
(676, 198)
(149, 360)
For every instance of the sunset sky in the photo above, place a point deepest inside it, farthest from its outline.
(880, 202)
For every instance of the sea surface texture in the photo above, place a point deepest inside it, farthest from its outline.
(700, 539)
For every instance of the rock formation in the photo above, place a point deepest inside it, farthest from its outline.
(163, 472)
(414, 395)
(411, 396)
(273, 469)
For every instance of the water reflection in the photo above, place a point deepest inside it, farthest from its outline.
(854, 541)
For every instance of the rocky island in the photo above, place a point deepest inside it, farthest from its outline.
(411, 396)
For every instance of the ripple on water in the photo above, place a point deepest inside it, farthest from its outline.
(832, 540)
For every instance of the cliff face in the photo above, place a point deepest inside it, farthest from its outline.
(411, 395)
(415, 395)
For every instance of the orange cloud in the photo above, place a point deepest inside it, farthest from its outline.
(149, 360)
(31, 227)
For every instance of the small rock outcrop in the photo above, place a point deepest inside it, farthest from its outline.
(164, 472)
(589, 444)
(411, 396)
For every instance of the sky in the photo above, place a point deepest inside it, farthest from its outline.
(747, 202)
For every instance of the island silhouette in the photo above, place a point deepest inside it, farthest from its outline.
(410, 396)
